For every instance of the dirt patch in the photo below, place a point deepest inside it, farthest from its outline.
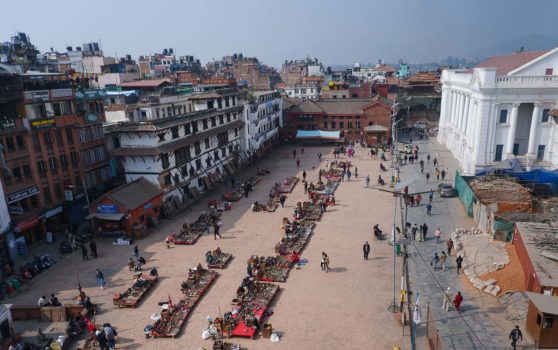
(511, 277)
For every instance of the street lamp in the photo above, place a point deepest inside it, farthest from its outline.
(86, 195)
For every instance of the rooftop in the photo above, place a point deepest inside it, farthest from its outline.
(145, 83)
(504, 64)
(545, 303)
(134, 194)
(492, 190)
(541, 239)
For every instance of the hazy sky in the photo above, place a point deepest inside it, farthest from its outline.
(335, 31)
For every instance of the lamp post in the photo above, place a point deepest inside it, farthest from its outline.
(86, 195)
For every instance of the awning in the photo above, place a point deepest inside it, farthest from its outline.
(332, 135)
(106, 216)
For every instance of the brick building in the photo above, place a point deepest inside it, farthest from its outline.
(350, 116)
(52, 145)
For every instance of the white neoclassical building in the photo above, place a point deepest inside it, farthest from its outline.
(500, 110)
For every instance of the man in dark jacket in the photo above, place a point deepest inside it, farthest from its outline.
(93, 247)
(366, 250)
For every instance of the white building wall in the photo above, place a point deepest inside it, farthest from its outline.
(470, 117)
(4, 213)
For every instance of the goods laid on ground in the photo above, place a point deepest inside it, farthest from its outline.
(239, 191)
(289, 184)
(133, 295)
(253, 305)
(221, 345)
(295, 240)
(217, 259)
(190, 233)
(270, 269)
(170, 322)
(307, 211)
(270, 206)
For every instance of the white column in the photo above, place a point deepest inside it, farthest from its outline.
(458, 111)
(533, 129)
(453, 108)
(511, 131)
(461, 113)
(466, 114)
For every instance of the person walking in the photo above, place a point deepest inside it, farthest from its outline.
(282, 200)
(305, 187)
(405, 159)
(356, 173)
(110, 333)
(424, 231)
(422, 169)
(458, 263)
(304, 175)
(443, 173)
(322, 261)
(93, 247)
(136, 252)
(430, 196)
(443, 258)
(320, 156)
(100, 278)
(435, 161)
(435, 261)
(457, 301)
(515, 335)
(427, 177)
(414, 231)
(367, 180)
(447, 299)
(366, 250)
(326, 263)
(437, 234)
(83, 251)
(429, 209)
(437, 173)
(349, 175)
(216, 231)
(449, 243)
(428, 158)
(298, 162)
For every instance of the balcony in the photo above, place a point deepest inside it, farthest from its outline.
(529, 82)
(10, 93)
(47, 95)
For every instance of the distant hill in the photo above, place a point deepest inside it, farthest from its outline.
(529, 43)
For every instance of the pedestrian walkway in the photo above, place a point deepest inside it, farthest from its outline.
(475, 327)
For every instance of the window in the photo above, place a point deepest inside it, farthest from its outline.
(210, 104)
(48, 197)
(58, 191)
(167, 179)
(499, 151)
(208, 162)
(549, 71)
(204, 124)
(197, 148)
(515, 149)
(195, 127)
(503, 116)
(52, 163)
(341, 125)
(545, 116)
(350, 125)
(10, 144)
(84, 135)
(227, 101)
(219, 103)
(206, 142)
(223, 152)
(161, 137)
(213, 121)
(34, 202)
(216, 154)
(57, 109)
(74, 158)
(20, 143)
(59, 140)
(540, 153)
(182, 155)
(333, 125)
(221, 120)
(236, 132)
(228, 117)
(547, 322)
(16, 173)
(69, 136)
(64, 161)
(187, 130)
(165, 160)
(41, 165)
(27, 172)
(198, 164)
(174, 132)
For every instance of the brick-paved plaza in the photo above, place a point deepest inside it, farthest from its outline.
(313, 310)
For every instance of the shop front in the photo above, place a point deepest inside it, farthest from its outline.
(127, 210)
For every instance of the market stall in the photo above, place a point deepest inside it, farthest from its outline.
(133, 295)
(289, 184)
(254, 305)
(217, 259)
(269, 269)
(238, 192)
(270, 206)
(171, 320)
(295, 240)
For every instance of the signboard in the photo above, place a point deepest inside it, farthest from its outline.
(8, 124)
(69, 195)
(52, 212)
(43, 123)
(107, 208)
(15, 210)
(14, 197)
(148, 206)
(27, 224)
(91, 118)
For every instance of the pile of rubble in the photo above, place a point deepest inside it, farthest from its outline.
(480, 255)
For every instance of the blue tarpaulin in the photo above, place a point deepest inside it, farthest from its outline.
(512, 168)
(320, 134)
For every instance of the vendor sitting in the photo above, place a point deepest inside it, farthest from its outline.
(209, 258)
(81, 298)
(54, 301)
(256, 206)
(154, 272)
(43, 301)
